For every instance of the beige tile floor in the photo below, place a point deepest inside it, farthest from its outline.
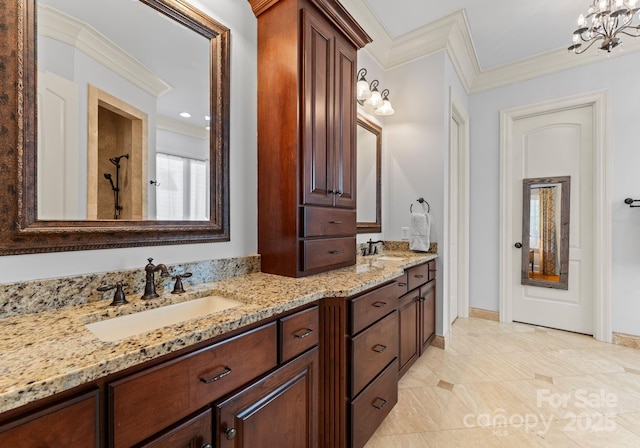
(515, 385)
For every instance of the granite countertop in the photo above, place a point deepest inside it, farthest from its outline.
(49, 352)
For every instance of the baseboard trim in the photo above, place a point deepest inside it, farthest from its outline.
(438, 342)
(628, 340)
(484, 314)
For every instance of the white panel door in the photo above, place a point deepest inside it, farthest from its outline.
(59, 173)
(557, 144)
(453, 219)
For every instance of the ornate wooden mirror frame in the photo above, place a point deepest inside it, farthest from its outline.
(374, 226)
(20, 230)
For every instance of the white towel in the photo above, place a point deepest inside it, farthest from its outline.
(419, 232)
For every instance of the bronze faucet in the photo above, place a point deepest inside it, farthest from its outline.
(372, 249)
(150, 285)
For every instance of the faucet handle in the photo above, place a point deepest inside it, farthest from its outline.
(118, 296)
(178, 288)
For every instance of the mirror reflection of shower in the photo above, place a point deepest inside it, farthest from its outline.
(117, 208)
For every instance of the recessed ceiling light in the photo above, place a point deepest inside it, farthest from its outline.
(185, 114)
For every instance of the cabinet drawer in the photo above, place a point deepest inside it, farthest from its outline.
(373, 405)
(402, 285)
(432, 269)
(328, 252)
(372, 306)
(298, 333)
(146, 403)
(321, 221)
(71, 423)
(372, 350)
(417, 275)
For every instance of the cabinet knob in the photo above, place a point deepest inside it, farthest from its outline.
(230, 433)
(206, 445)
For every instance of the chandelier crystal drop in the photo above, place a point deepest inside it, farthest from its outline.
(603, 22)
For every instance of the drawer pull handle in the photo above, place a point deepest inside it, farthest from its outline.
(402, 285)
(335, 222)
(379, 348)
(227, 371)
(379, 304)
(432, 270)
(307, 332)
(206, 445)
(379, 403)
(335, 252)
(419, 276)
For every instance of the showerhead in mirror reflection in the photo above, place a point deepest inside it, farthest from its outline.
(545, 232)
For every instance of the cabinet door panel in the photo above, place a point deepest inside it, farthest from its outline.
(345, 124)
(68, 424)
(278, 411)
(318, 49)
(196, 432)
(428, 312)
(408, 328)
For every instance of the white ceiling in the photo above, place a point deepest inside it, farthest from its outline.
(502, 31)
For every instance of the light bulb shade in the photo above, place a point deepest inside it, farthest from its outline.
(363, 92)
(375, 100)
(385, 109)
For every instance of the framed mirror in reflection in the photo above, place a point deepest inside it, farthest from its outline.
(545, 232)
(119, 129)
(369, 156)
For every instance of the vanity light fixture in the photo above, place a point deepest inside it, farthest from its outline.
(375, 100)
(369, 97)
(386, 108)
(362, 88)
(608, 18)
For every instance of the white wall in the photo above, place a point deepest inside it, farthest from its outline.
(415, 151)
(619, 76)
(236, 15)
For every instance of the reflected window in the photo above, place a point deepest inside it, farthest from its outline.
(182, 192)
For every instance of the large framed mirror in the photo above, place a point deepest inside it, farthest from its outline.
(369, 157)
(114, 125)
(545, 232)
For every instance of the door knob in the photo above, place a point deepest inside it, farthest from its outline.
(518, 245)
(230, 433)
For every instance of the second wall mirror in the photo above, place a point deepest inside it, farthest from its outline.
(369, 155)
(545, 232)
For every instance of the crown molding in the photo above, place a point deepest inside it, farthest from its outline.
(546, 64)
(57, 25)
(180, 127)
(452, 34)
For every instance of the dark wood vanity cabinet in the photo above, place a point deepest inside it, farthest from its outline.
(70, 423)
(417, 312)
(307, 65)
(359, 365)
(232, 393)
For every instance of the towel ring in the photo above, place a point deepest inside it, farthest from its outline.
(421, 201)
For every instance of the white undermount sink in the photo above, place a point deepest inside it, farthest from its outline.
(390, 258)
(121, 327)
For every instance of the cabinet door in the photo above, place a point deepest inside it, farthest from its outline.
(197, 432)
(427, 314)
(277, 411)
(317, 172)
(68, 424)
(408, 307)
(344, 124)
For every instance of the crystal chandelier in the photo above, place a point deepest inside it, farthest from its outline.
(605, 19)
